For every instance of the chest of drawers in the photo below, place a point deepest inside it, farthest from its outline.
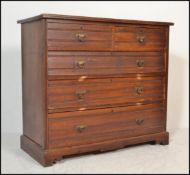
(92, 84)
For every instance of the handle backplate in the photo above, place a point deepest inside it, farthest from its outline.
(80, 94)
(80, 64)
(80, 36)
(140, 63)
(139, 89)
(139, 121)
(81, 128)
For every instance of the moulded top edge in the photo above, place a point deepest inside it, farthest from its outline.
(95, 19)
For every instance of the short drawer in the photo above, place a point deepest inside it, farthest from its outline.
(78, 36)
(137, 38)
(85, 127)
(61, 64)
(71, 95)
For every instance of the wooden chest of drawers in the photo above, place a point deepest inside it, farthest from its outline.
(92, 84)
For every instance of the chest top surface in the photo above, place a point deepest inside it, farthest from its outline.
(95, 19)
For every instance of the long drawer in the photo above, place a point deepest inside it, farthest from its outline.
(85, 127)
(62, 64)
(71, 95)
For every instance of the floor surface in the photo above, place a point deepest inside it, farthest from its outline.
(172, 158)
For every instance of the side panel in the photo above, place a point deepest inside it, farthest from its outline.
(166, 53)
(34, 80)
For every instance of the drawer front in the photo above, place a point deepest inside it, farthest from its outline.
(71, 95)
(85, 127)
(103, 63)
(78, 36)
(128, 38)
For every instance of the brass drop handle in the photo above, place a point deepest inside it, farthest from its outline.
(80, 94)
(141, 39)
(80, 64)
(139, 90)
(80, 36)
(140, 63)
(139, 121)
(81, 128)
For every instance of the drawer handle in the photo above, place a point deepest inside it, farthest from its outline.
(140, 63)
(139, 121)
(139, 90)
(81, 128)
(141, 39)
(80, 94)
(80, 64)
(80, 36)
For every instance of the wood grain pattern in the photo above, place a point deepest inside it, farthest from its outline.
(104, 125)
(111, 75)
(92, 84)
(166, 55)
(63, 37)
(69, 25)
(127, 38)
(50, 156)
(104, 63)
(103, 92)
(33, 81)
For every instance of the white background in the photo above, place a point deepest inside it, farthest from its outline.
(176, 12)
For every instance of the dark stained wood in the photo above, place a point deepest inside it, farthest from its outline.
(104, 63)
(166, 56)
(50, 156)
(108, 145)
(108, 60)
(94, 19)
(111, 75)
(34, 150)
(64, 37)
(128, 38)
(33, 81)
(104, 124)
(92, 84)
(67, 25)
(103, 92)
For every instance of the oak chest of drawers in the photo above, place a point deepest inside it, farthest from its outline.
(92, 84)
